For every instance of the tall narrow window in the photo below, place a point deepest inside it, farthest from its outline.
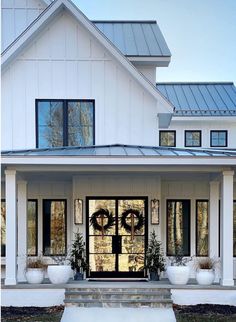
(167, 138)
(234, 228)
(54, 227)
(32, 228)
(178, 227)
(202, 228)
(3, 228)
(64, 122)
(192, 138)
(219, 138)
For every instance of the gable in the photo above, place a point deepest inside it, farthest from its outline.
(17, 16)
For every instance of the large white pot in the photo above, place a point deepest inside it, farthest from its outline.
(34, 275)
(205, 276)
(59, 274)
(178, 275)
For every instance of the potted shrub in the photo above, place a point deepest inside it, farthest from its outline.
(178, 273)
(35, 270)
(77, 257)
(155, 261)
(205, 274)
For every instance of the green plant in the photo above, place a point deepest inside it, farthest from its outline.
(77, 255)
(178, 259)
(155, 261)
(36, 262)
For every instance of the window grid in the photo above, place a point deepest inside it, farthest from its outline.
(193, 138)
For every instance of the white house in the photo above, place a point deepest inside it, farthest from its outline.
(83, 119)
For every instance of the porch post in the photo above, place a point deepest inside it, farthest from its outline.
(214, 219)
(22, 229)
(11, 227)
(227, 228)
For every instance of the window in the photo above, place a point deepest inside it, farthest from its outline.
(234, 238)
(192, 138)
(3, 228)
(54, 227)
(219, 138)
(202, 228)
(32, 227)
(167, 138)
(178, 226)
(64, 123)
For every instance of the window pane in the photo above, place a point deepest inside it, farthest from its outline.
(80, 123)
(193, 138)
(219, 138)
(3, 228)
(178, 221)
(32, 234)
(235, 228)
(202, 228)
(50, 124)
(54, 228)
(167, 138)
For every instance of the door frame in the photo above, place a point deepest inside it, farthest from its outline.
(117, 274)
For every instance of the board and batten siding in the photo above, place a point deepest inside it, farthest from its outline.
(17, 15)
(66, 62)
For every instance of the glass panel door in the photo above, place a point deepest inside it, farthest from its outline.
(116, 236)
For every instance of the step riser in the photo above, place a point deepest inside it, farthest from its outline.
(116, 297)
(120, 305)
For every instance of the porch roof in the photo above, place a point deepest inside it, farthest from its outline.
(122, 150)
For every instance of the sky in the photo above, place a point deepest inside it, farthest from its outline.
(201, 34)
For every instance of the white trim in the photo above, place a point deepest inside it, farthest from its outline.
(206, 118)
(47, 2)
(58, 5)
(109, 160)
(150, 61)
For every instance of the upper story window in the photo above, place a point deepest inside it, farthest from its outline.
(64, 123)
(219, 138)
(192, 138)
(167, 138)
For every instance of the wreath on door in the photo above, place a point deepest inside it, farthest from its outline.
(134, 215)
(102, 220)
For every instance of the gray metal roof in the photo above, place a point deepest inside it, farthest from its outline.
(201, 99)
(123, 151)
(135, 38)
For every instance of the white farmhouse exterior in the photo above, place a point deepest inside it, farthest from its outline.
(83, 119)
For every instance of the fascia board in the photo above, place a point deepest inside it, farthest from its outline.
(220, 118)
(50, 12)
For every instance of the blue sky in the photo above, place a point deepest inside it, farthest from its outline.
(201, 34)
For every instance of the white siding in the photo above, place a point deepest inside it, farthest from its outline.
(149, 72)
(65, 61)
(17, 15)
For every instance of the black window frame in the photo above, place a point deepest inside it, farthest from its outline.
(196, 222)
(44, 230)
(189, 230)
(226, 139)
(65, 117)
(166, 131)
(200, 138)
(37, 232)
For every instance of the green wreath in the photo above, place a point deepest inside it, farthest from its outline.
(105, 213)
(128, 227)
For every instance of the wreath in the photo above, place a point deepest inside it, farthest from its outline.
(103, 214)
(134, 214)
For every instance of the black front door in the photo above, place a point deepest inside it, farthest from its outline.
(116, 236)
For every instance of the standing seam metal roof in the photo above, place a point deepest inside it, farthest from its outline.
(135, 38)
(201, 99)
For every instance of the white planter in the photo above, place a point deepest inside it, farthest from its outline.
(59, 274)
(178, 275)
(205, 276)
(34, 275)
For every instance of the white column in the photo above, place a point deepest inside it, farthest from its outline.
(22, 230)
(214, 219)
(11, 222)
(227, 228)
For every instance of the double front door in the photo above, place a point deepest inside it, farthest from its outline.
(116, 237)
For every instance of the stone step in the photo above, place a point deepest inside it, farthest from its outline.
(115, 296)
(97, 293)
(115, 303)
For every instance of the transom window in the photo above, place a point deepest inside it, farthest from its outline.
(219, 138)
(167, 138)
(64, 123)
(192, 138)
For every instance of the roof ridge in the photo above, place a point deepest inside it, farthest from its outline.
(196, 83)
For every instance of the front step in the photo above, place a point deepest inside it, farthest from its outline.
(118, 297)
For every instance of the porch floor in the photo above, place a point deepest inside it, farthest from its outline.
(164, 283)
